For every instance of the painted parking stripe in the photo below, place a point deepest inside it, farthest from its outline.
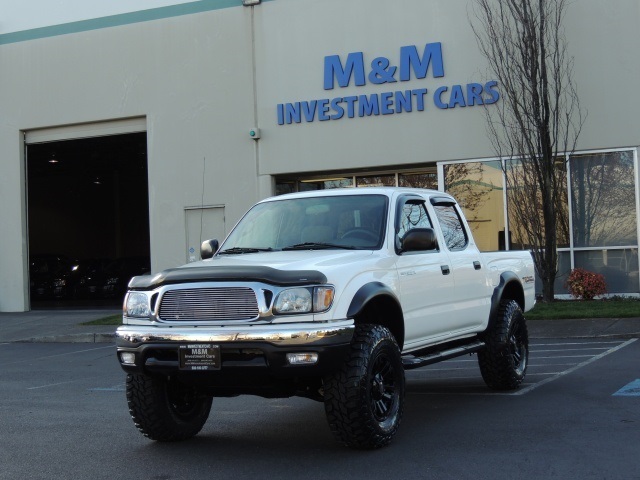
(549, 368)
(630, 390)
(117, 388)
(573, 369)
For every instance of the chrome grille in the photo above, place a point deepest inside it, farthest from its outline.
(209, 304)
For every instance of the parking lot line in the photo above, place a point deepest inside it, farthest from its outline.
(573, 369)
(549, 365)
(630, 390)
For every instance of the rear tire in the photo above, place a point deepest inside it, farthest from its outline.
(503, 363)
(164, 409)
(364, 400)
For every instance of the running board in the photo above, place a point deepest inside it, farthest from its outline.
(410, 362)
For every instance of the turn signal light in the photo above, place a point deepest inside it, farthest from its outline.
(302, 358)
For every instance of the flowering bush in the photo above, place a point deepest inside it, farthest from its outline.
(585, 285)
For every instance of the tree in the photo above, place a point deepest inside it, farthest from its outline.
(537, 121)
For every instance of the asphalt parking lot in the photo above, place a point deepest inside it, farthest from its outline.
(549, 360)
(64, 415)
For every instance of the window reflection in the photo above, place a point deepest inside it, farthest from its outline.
(419, 180)
(323, 184)
(478, 188)
(376, 181)
(454, 234)
(525, 205)
(603, 200)
(414, 215)
(619, 267)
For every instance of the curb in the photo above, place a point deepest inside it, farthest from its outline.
(73, 338)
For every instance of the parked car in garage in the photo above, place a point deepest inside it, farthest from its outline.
(111, 281)
(46, 275)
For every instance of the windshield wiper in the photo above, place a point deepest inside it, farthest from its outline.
(238, 250)
(316, 245)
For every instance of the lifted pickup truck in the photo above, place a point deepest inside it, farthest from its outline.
(329, 295)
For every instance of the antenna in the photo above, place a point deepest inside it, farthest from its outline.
(204, 169)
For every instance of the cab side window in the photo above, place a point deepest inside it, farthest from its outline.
(454, 233)
(413, 215)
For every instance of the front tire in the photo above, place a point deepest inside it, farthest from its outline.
(503, 363)
(364, 400)
(164, 409)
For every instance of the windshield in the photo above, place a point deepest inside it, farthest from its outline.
(349, 221)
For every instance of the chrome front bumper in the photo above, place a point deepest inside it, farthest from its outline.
(261, 349)
(280, 335)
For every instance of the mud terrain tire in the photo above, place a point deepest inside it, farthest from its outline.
(503, 363)
(364, 400)
(164, 409)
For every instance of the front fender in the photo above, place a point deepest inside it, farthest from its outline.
(368, 292)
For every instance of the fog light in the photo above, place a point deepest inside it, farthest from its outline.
(302, 358)
(128, 358)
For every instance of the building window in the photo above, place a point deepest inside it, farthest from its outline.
(418, 180)
(604, 217)
(388, 180)
(421, 178)
(603, 200)
(596, 211)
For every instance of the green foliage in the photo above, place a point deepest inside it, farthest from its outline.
(110, 320)
(565, 309)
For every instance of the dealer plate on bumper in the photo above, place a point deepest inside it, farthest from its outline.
(199, 356)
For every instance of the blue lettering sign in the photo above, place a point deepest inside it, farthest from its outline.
(489, 88)
(335, 105)
(381, 72)
(309, 110)
(419, 93)
(368, 106)
(412, 65)
(333, 69)
(457, 97)
(410, 59)
(437, 97)
(403, 101)
(323, 110)
(386, 102)
(474, 94)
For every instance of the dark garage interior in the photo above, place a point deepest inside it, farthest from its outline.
(88, 213)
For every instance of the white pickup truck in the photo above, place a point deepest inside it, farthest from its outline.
(329, 295)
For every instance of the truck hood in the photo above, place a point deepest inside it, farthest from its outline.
(304, 267)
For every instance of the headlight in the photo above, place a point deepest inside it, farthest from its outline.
(137, 305)
(304, 300)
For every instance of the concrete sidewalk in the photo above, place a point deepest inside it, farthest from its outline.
(56, 326)
(66, 326)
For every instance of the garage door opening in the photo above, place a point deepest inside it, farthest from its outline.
(88, 214)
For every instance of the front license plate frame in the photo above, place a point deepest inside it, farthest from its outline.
(199, 357)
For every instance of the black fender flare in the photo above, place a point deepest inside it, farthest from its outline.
(366, 293)
(390, 311)
(508, 281)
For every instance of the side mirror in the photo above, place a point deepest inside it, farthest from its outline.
(208, 248)
(419, 239)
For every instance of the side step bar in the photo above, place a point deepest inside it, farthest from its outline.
(410, 362)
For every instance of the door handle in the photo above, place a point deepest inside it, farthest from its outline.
(477, 265)
(445, 269)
